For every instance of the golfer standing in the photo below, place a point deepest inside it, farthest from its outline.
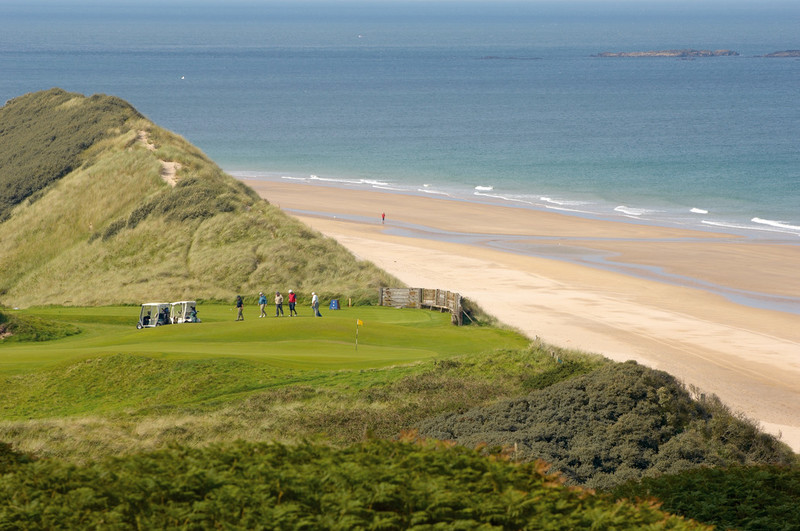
(292, 302)
(278, 304)
(239, 308)
(315, 304)
(262, 302)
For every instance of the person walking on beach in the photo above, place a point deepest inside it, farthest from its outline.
(383, 218)
(262, 302)
(315, 304)
(239, 308)
(292, 302)
(278, 304)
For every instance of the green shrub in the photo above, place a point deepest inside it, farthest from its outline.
(563, 369)
(617, 423)
(139, 214)
(113, 228)
(744, 498)
(10, 459)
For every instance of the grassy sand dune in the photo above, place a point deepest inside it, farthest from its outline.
(102, 226)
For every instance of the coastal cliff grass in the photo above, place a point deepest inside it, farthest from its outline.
(43, 138)
(106, 228)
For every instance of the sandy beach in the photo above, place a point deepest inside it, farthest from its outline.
(714, 310)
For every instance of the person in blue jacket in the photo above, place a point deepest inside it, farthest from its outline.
(262, 302)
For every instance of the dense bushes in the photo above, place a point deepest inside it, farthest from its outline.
(621, 422)
(375, 485)
(43, 135)
(11, 459)
(757, 497)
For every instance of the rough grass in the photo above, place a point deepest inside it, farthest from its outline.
(20, 328)
(44, 136)
(109, 230)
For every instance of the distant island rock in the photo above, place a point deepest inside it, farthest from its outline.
(671, 53)
(784, 53)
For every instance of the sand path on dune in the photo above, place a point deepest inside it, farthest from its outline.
(749, 357)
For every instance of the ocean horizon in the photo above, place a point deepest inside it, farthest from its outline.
(478, 101)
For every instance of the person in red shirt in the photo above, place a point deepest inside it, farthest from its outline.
(292, 302)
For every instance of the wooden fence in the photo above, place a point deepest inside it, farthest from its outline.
(435, 299)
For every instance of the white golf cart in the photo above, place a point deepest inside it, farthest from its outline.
(184, 312)
(153, 314)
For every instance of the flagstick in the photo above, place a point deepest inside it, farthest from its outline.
(358, 322)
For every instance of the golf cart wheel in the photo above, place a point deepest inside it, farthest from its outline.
(139, 326)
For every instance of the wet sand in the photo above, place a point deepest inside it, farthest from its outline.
(714, 310)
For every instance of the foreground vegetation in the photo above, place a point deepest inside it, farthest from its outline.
(371, 485)
(116, 423)
(88, 218)
(754, 497)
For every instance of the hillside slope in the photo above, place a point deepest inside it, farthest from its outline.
(101, 206)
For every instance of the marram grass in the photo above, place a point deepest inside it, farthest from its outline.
(102, 227)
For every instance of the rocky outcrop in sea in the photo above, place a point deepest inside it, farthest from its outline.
(671, 53)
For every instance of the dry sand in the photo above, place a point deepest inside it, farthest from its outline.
(624, 290)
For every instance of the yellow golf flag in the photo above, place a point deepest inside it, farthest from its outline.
(359, 322)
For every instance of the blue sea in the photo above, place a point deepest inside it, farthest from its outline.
(475, 100)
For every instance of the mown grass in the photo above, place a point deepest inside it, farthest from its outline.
(115, 389)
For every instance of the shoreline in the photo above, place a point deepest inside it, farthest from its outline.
(733, 225)
(545, 274)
